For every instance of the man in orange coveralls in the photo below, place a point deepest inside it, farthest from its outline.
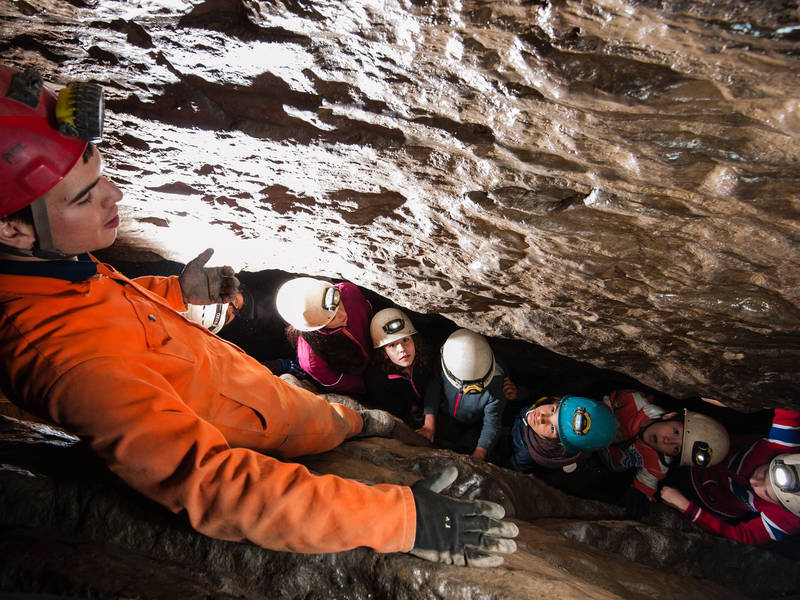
(180, 415)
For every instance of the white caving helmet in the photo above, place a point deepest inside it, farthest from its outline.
(389, 325)
(705, 441)
(467, 361)
(784, 475)
(211, 316)
(308, 304)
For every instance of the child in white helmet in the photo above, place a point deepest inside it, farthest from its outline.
(468, 394)
(753, 496)
(329, 325)
(402, 365)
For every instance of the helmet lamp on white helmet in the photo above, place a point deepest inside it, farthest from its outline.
(211, 316)
(389, 325)
(308, 304)
(784, 475)
(705, 441)
(467, 361)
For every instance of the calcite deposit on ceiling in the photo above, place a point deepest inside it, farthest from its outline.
(615, 180)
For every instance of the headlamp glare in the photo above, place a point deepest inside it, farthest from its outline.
(331, 299)
(785, 477)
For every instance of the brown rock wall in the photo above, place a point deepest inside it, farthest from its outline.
(615, 181)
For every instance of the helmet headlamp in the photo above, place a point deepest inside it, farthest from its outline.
(785, 477)
(393, 326)
(581, 421)
(584, 424)
(702, 454)
(79, 111)
(331, 299)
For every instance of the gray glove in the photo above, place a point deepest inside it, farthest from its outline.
(201, 285)
(459, 532)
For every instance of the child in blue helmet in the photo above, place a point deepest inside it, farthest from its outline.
(560, 431)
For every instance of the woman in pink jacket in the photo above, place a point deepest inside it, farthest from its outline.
(329, 325)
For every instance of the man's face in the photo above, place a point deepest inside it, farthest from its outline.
(665, 436)
(82, 208)
(762, 486)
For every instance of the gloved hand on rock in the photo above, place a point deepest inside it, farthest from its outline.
(207, 285)
(459, 532)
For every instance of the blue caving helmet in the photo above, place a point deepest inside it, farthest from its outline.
(585, 424)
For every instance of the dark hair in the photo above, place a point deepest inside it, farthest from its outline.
(25, 214)
(339, 351)
(423, 353)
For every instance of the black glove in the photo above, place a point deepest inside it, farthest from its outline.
(459, 532)
(201, 285)
(637, 504)
(279, 366)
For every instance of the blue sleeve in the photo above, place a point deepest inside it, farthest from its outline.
(492, 422)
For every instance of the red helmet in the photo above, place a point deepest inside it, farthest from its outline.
(34, 155)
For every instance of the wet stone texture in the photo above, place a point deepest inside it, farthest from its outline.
(615, 181)
(71, 528)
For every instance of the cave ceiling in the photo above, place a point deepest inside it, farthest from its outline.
(616, 181)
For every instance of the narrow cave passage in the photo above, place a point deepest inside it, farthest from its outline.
(533, 368)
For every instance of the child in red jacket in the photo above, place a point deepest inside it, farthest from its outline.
(755, 493)
(650, 439)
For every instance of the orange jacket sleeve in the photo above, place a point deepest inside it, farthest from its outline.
(155, 443)
(168, 288)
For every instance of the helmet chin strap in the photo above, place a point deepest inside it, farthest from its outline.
(43, 247)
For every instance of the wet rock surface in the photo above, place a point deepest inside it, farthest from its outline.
(71, 528)
(615, 181)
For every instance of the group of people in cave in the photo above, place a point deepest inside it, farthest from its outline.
(137, 369)
(460, 396)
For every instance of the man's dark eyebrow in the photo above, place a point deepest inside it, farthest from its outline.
(83, 192)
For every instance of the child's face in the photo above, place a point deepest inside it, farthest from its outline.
(401, 352)
(762, 486)
(544, 421)
(665, 436)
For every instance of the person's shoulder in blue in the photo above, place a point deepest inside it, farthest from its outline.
(401, 366)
